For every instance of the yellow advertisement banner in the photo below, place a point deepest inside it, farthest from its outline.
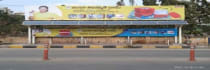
(64, 12)
(76, 32)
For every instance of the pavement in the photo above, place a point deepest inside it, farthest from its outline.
(103, 59)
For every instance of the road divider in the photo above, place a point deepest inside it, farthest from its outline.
(148, 46)
(69, 46)
(100, 46)
(16, 46)
(175, 47)
(96, 46)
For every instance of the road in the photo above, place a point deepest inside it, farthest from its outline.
(103, 59)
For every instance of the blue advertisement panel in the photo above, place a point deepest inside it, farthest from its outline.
(113, 32)
(148, 32)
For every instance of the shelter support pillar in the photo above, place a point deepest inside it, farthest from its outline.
(180, 34)
(81, 40)
(29, 35)
(128, 40)
(50, 41)
(33, 39)
(175, 38)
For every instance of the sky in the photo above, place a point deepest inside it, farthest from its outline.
(18, 5)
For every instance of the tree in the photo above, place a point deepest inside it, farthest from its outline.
(195, 15)
(11, 24)
(121, 3)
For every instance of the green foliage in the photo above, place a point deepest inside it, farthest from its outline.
(11, 24)
(195, 15)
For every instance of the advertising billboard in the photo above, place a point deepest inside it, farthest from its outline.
(92, 32)
(64, 12)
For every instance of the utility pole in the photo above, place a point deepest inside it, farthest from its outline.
(132, 2)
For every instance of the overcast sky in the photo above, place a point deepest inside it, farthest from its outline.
(18, 5)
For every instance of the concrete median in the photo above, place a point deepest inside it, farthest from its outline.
(100, 46)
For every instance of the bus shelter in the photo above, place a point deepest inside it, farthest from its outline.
(83, 16)
(177, 25)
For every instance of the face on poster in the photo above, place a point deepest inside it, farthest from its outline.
(42, 12)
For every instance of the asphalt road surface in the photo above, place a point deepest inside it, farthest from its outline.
(103, 59)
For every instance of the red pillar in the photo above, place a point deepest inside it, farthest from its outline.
(45, 54)
(192, 53)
